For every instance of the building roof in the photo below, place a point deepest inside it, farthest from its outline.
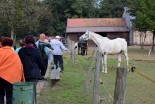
(96, 29)
(96, 25)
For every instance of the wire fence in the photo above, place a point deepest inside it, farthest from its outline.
(144, 68)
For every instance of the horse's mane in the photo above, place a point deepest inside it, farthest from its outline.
(99, 36)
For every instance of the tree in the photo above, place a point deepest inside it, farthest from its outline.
(64, 9)
(90, 8)
(21, 16)
(112, 8)
(144, 11)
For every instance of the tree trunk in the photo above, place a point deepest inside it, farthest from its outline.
(13, 37)
(153, 40)
(141, 38)
(145, 35)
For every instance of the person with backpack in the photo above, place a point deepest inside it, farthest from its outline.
(44, 48)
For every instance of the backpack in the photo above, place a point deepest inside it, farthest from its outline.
(41, 47)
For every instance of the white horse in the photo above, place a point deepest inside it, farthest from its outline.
(107, 46)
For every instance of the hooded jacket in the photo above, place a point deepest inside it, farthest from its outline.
(11, 68)
(32, 62)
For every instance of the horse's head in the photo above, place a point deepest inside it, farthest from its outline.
(84, 37)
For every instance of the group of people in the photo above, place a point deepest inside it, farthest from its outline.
(28, 62)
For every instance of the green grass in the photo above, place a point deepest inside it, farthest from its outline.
(71, 86)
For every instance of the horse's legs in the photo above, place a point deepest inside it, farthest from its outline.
(86, 51)
(104, 63)
(119, 59)
(127, 58)
(82, 51)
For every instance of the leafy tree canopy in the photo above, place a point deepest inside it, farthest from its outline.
(144, 11)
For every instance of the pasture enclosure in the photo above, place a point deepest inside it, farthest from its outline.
(70, 90)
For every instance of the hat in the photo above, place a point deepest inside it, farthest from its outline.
(57, 37)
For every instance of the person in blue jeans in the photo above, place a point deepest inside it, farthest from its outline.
(57, 51)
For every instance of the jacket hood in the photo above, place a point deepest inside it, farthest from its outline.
(29, 50)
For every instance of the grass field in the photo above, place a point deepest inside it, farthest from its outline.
(69, 90)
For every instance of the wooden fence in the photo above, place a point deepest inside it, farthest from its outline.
(120, 84)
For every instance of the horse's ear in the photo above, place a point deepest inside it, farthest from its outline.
(87, 30)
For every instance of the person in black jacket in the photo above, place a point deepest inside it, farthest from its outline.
(32, 61)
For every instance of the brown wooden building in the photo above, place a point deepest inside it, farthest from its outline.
(107, 27)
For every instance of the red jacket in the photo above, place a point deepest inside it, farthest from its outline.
(11, 68)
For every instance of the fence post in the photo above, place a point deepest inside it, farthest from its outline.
(97, 80)
(89, 71)
(120, 86)
(73, 52)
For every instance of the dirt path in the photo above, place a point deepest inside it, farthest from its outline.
(40, 84)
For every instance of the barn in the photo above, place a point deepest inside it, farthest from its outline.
(107, 27)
